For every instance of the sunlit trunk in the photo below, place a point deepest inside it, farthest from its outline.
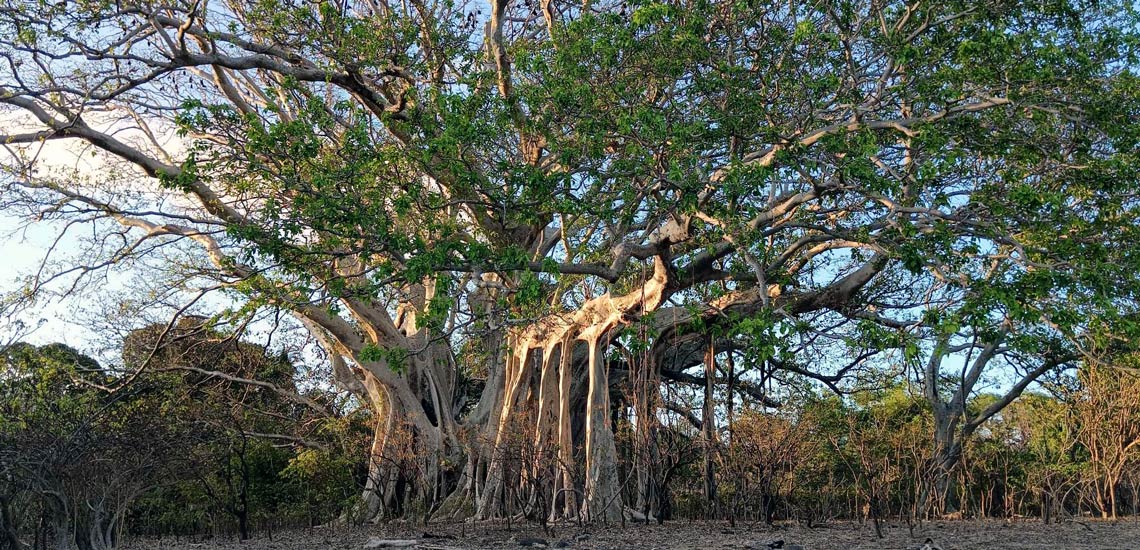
(517, 375)
(603, 496)
(379, 483)
(566, 499)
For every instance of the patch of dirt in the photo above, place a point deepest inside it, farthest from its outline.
(1085, 535)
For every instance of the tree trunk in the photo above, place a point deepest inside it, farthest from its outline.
(541, 470)
(1112, 500)
(517, 375)
(378, 488)
(603, 497)
(243, 523)
(730, 401)
(947, 452)
(568, 489)
(63, 530)
(645, 381)
(708, 425)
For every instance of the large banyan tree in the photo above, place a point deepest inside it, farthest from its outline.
(504, 222)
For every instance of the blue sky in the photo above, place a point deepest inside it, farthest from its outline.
(21, 250)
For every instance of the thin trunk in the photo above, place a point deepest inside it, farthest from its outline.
(708, 425)
(730, 400)
(243, 493)
(1112, 498)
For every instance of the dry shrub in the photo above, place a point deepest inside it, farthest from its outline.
(759, 464)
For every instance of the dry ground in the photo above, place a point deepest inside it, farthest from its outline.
(1124, 534)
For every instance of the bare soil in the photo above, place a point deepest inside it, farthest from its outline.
(1083, 534)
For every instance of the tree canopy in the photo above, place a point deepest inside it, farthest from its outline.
(492, 217)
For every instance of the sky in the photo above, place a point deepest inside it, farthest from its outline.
(21, 250)
(23, 244)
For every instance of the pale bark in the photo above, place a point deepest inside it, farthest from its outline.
(543, 469)
(603, 492)
(381, 479)
(566, 497)
(517, 377)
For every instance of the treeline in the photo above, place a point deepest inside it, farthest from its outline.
(188, 447)
(871, 457)
(215, 437)
(1070, 448)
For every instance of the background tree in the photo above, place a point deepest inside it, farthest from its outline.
(255, 442)
(73, 459)
(1107, 407)
(760, 461)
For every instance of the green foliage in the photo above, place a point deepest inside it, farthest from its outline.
(841, 190)
(394, 358)
(59, 432)
(253, 456)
